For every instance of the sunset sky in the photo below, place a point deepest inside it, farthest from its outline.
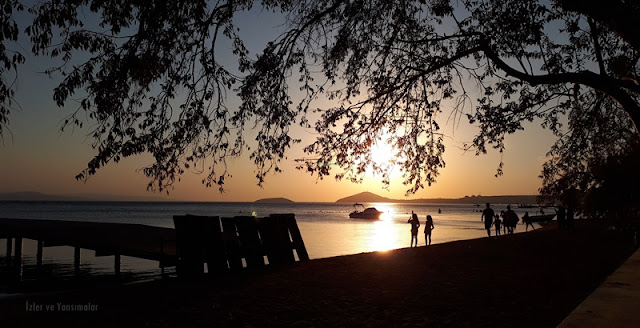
(35, 156)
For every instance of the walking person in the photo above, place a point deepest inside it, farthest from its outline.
(415, 224)
(487, 216)
(497, 222)
(527, 221)
(510, 219)
(428, 227)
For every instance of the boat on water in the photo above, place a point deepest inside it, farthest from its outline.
(542, 218)
(370, 213)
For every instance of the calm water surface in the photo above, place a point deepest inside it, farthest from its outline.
(326, 228)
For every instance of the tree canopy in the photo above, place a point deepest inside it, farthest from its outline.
(393, 68)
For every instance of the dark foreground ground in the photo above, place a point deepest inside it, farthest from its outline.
(525, 280)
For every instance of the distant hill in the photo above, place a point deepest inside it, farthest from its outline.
(38, 196)
(368, 197)
(274, 200)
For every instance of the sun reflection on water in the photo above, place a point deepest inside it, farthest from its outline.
(388, 211)
(384, 237)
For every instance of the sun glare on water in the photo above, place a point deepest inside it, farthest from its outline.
(388, 211)
(384, 237)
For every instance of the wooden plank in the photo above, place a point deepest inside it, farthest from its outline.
(231, 243)
(190, 231)
(296, 238)
(214, 247)
(284, 241)
(250, 241)
(268, 234)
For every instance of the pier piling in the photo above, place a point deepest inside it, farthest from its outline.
(117, 265)
(17, 257)
(76, 259)
(9, 248)
(39, 253)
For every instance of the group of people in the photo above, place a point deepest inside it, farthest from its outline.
(508, 222)
(415, 227)
(504, 223)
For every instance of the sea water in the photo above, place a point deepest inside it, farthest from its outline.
(326, 228)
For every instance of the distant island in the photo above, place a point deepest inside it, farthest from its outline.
(274, 200)
(368, 197)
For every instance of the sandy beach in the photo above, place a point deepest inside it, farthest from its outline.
(525, 280)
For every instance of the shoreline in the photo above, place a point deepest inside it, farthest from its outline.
(534, 279)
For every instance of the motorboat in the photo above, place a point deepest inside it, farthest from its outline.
(542, 218)
(370, 213)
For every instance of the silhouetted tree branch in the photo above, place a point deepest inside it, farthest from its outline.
(151, 81)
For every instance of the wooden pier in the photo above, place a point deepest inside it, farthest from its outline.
(224, 244)
(106, 239)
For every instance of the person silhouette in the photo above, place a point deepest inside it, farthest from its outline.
(510, 219)
(428, 227)
(527, 220)
(562, 214)
(415, 224)
(497, 222)
(487, 216)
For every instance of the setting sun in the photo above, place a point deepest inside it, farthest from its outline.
(382, 153)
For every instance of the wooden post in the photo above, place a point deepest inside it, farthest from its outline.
(117, 265)
(190, 246)
(9, 246)
(18, 253)
(17, 258)
(250, 240)
(215, 247)
(76, 259)
(39, 253)
(231, 243)
(284, 240)
(268, 235)
(278, 242)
